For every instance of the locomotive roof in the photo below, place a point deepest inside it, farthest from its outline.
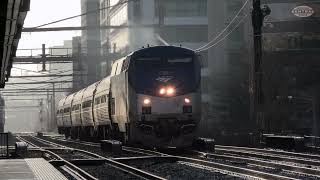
(158, 51)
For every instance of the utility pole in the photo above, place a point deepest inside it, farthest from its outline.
(43, 56)
(49, 118)
(41, 115)
(53, 123)
(257, 116)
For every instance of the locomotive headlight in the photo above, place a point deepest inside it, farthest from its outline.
(162, 91)
(187, 100)
(146, 101)
(170, 91)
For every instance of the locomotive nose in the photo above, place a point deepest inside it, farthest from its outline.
(167, 128)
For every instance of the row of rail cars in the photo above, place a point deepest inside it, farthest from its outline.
(152, 98)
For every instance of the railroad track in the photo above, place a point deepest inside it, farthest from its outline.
(69, 168)
(133, 172)
(306, 160)
(285, 168)
(277, 152)
(247, 160)
(196, 163)
(126, 149)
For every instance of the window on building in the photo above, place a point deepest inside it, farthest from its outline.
(137, 11)
(181, 8)
(233, 6)
(237, 38)
(185, 34)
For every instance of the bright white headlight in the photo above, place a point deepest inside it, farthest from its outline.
(146, 101)
(162, 91)
(170, 91)
(187, 100)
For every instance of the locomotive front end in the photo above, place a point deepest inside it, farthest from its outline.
(168, 122)
(168, 99)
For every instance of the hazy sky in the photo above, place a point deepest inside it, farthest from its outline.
(41, 12)
(44, 11)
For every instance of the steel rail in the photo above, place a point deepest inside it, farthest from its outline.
(87, 154)
(218, 166)
(124, 148)
(128, 159)
(286, 153)
(143, 151)
(77, 142)
(49, 142)
(83, 174)
(303, 170)
(232, 169)
(126, 168)
(73, 167)
(268, 156)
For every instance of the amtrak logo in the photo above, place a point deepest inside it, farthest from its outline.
(303, 11)
(164, 79)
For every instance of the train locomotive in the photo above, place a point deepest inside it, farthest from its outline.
(152, 98)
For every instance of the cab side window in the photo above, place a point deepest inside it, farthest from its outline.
(125, 65)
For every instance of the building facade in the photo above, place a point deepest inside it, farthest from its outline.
(290, 99)
(90, 39)
(157, 22)
(227, 109)
(291, 65)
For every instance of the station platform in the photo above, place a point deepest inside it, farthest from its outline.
(35, 168)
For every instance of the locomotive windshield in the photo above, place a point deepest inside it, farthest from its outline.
(151, 73)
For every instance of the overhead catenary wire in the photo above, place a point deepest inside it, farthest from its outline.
(227, 35)
(226, 28)
(83, 14)
(57, 73)
(29, 70)
(43, 72)
(42, 86)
